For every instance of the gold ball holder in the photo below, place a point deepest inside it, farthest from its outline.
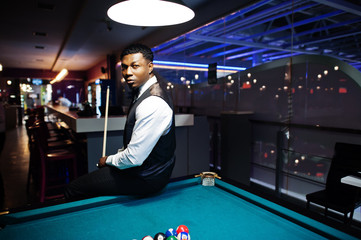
(208, 178)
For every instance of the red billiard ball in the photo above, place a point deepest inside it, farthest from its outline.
(160, 236)
(147, 238)
(182, 228)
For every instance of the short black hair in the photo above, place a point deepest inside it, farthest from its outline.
(138, 48)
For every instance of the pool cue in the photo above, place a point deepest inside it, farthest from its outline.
(105, 124)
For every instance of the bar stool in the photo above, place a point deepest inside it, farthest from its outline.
(52, 143)
(57, 166)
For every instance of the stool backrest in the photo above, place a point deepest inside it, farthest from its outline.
(346, 161)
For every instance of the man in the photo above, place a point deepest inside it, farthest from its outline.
(145, 163)
(64, 102)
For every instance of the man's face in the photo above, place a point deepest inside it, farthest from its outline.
(136, 69)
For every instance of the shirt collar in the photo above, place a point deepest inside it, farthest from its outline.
(146, 85)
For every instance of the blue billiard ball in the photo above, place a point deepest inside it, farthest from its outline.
(184, 236)
(170, 232)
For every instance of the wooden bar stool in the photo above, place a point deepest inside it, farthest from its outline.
(52, 143)
(57, 166)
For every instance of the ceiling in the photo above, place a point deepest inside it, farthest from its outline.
(77, 34)
(271, 29)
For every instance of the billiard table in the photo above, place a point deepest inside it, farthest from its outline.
(222, 211)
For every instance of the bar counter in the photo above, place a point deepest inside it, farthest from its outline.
(192, 136)
(96, 123)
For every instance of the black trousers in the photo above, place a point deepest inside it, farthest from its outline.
(109, 181)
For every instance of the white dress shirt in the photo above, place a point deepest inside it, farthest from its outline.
(153, 120)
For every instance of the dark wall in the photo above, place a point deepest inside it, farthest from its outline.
(69, 90)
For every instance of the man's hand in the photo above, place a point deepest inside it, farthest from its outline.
(102, 161)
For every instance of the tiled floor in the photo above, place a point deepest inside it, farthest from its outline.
(14, 165)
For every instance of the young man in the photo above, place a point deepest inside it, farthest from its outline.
(145, 163)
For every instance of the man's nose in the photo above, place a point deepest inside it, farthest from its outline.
(128, 71)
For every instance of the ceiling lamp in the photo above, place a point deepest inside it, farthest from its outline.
(61, 75)
(150, 13)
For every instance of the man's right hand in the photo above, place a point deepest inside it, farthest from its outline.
(101, 162)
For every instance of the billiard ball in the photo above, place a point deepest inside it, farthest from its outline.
(160, 236)
(147, 238)
(183, 236)
(170, 232)
(172, 238)
(182, 228)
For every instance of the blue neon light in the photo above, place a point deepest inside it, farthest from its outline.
(199, 65)
(37, 81)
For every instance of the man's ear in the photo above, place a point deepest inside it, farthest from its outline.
(150, 65)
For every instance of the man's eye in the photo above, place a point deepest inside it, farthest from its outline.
(124, 67)
(135, 66)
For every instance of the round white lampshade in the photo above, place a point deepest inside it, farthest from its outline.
(150, 13)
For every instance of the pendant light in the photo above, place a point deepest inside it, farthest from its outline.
(150, 13)
(61, 75)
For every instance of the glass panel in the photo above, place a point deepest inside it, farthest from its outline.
(262, 67)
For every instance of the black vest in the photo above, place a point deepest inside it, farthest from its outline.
(160, 161)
